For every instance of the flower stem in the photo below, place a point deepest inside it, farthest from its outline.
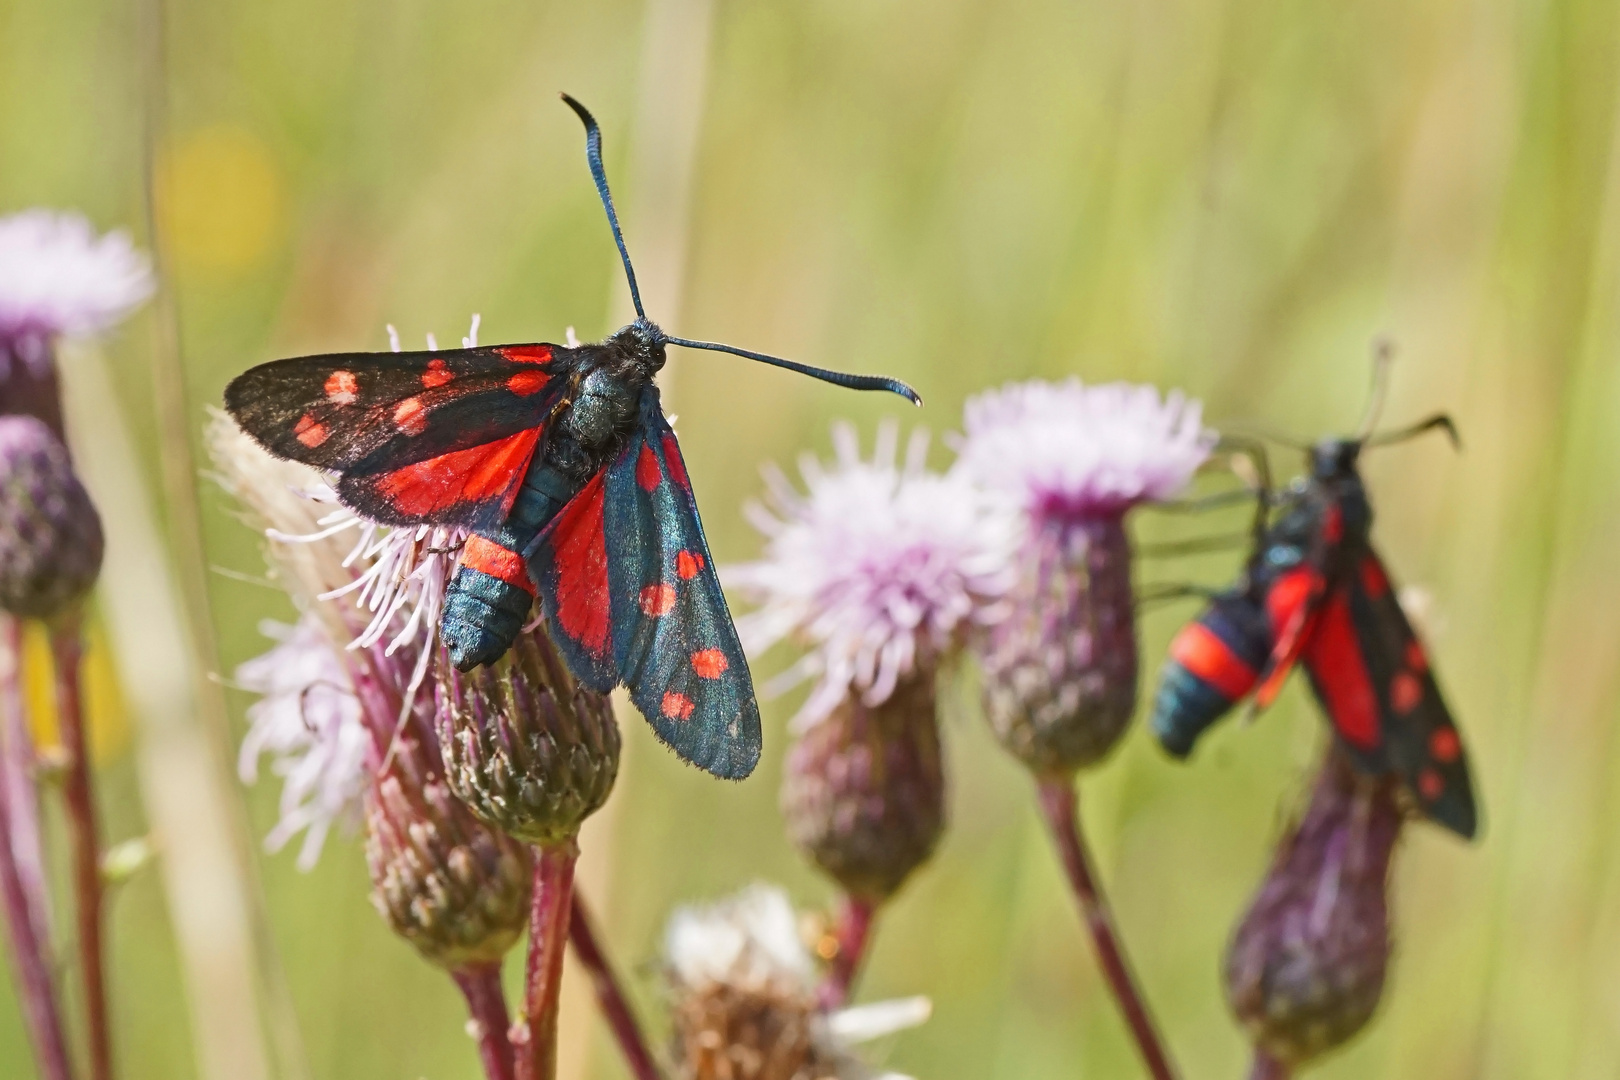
(1062, 810)
(486, 1005)
(67, 649)
(610, 996)
(534, 1036)
(33, 974)
(19, 763)
(853, 931)
(1267, 1067)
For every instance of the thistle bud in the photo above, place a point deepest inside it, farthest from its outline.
(528, 749)
(50, 533)
(1305, 969)
(1060, 672)
(864, 789)
(454, 888)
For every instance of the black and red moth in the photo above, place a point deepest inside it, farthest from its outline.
(563, 467)
(1317, 593)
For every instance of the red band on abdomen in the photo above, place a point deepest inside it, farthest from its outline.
(1206, 656)
(497, 562)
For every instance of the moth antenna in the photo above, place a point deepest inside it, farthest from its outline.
(1440, 421)
(1255, 433)
(593, 154)
(1383, 355)
(837, 378)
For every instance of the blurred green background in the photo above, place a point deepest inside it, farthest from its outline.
(1228, 197)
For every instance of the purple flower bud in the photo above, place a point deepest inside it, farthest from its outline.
(1305, 969)
(451, 886)
(529, 750)
(50, 533)
(864, 789)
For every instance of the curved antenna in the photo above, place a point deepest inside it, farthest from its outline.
(1439, 420)
(837, 378)
(1383, 355)
(1255, 433)
(593, 154)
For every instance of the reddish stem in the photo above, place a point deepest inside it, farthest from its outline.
(67, 648)
(1062, 810)
(1267, 1067)
(33, 974)
(486, 1003)
(534, 1036)
(853, 931)
(610, 996)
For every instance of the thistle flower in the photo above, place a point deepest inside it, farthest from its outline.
(1305, 970)
(1060, 672)
(743, 998)
(50, 533)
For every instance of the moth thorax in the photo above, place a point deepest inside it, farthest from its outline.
(600, 411)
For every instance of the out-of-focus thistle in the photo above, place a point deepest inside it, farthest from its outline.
(1060, 673)
(1305, 969)
(57, 278)
(743, 1001)
(880, 570)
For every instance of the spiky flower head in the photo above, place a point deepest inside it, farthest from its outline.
(1060, 672)
(880, 568)
(743, 999)
(50, 533)
(1305, 970)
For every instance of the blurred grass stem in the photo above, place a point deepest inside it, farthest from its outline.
(853, 931)
(534, 1036)
(610, 996)
(486, 1004)
(18, 760)
(1267, 1067)
(78, 791)
(1061, 807)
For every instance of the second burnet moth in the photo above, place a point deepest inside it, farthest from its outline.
(561, 464)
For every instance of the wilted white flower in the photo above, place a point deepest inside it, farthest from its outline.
(1067, 448)
(877, 567)
(308, 721)
(752, 937)
(58, 277)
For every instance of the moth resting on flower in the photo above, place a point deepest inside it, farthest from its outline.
(562, 465)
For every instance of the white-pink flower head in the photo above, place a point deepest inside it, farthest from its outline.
(878, 567)
(58, 277)
(308, 721)
(1067, 449)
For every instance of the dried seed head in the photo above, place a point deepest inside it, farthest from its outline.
(50, 533)
(1060, 671)
(451, 886)
(864, 789)
(531, 751)
(1305, 969)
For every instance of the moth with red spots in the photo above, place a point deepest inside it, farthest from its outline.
(561, 464)
(1317, 593)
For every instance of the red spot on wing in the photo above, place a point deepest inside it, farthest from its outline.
(1205, 655)
(527, 354)
(1431, 785)
(687, 565)
(477, 474)
(1373, 579)
(342, 388)
(410, 416)
(657, 600)
(310, 431)
(525, 383)
(437, 374)
(677, 706)
(648, 474)
(1416, 658)
(583, 609)
(1288, 605)
(1334, 656)
(1333, 525)
(1444, 746)
(677, 467)
(1405, 691)
(709, 663)
(496, 561)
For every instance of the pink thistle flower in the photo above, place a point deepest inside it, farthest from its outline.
(880, 568)
(308, 721)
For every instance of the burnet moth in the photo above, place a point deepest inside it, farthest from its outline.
(1317, 593)
(562, 465)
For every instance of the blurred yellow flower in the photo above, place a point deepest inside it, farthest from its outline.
(220, 199)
